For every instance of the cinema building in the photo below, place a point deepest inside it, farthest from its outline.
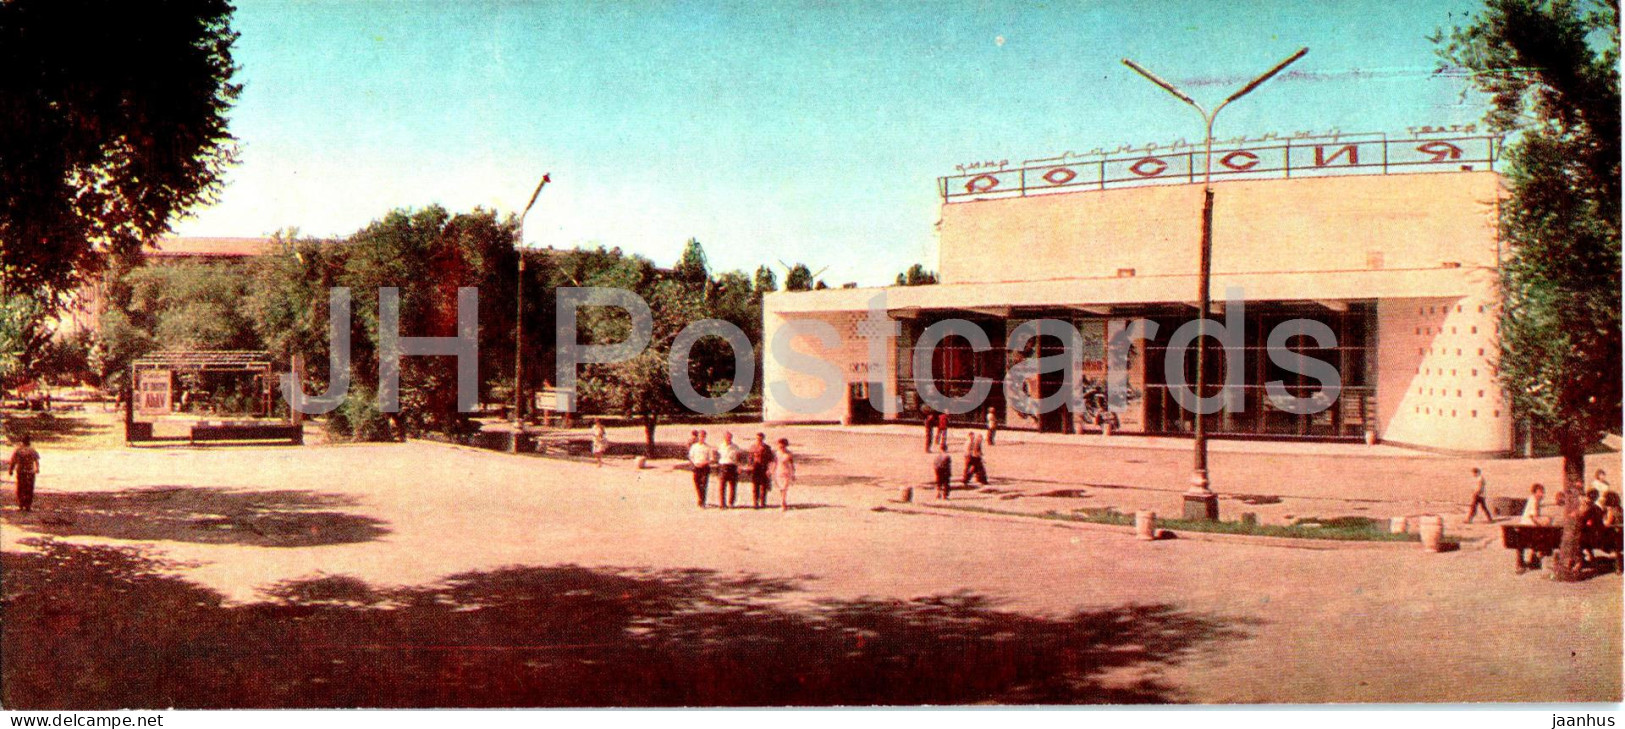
(1391, 243)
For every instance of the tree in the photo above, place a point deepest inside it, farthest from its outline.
(798, 278)
(640, 386)
(916, 276)
(1550, 68)
(114, 123)
(23, 336)
(764, 281)
(427, 255)
(692, 267)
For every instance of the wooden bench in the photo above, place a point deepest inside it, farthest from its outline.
(1542, 541)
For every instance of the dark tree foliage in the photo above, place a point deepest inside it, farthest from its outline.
(112, 122)
(798, 278)
(917, 275)
(1551, 70)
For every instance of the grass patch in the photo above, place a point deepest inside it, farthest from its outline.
(1347, 529)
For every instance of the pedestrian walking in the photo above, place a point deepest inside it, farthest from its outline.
(930, 429)
(761, 471)
(942, 431)
(784, 472)
(24, 464)
(992, 424)
(943, 468)
(973, 459)
(1479, 487)
(600, 442)
(700, 456)
(728, 456)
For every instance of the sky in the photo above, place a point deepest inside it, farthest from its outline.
(772, 130)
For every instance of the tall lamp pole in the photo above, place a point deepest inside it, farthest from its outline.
(1200, 501)
(519, 319)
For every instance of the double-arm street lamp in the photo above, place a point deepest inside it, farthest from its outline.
(1200, 501)
(519, 320)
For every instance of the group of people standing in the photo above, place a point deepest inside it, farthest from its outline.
(768, 467)
(936, 429)
(936, 434)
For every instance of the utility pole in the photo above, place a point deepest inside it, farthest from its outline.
(519, 318)
(1200, 501)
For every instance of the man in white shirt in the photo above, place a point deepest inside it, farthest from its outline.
(700, 456)
(728, 457)
(1600, 483)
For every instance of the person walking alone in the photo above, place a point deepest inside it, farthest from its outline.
(943, 468)
(930, 429)
(973, 459)
(600, 442)
(761, 471)
(992, 424)
(784, 472)
(700, 456)
(1479, 486)
(24, 464)
(942, 431)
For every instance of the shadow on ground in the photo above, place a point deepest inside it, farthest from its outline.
(205, 515)
(51, 428)
(103, 628)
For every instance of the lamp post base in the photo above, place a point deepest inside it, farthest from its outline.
(1201, 506)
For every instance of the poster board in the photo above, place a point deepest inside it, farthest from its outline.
(153, 390)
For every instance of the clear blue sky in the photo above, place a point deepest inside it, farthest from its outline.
(809, 131)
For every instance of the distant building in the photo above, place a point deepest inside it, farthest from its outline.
(84, 309)
(1392, 244)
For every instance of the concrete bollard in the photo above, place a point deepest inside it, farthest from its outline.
(642, 462)
(1145, 525)
(1398, 525)
(1431, 527)
(905, 494)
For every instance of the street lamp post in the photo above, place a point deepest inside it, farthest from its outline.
(1200, 501)
(519, 319)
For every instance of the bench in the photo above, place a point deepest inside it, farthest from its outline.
(1542, 541)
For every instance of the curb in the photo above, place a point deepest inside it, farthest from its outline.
(1128, 531)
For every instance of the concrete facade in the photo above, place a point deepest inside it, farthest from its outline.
(1419, 251)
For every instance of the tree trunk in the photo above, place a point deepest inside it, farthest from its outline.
(649, 420)
(1573, 448)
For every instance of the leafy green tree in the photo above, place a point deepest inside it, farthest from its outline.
(916, 275)
(65, 360)
(798, 278)
(288, 300)
(1550, 68)
(427, 255)
(23, 336)
(692, 267)
(639, 387)
(117, 344)
(114, 123)
(764, 281)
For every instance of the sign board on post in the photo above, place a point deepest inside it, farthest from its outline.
(153, 392)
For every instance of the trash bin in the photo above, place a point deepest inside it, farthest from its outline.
(1431, 528)
(1145, 525)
